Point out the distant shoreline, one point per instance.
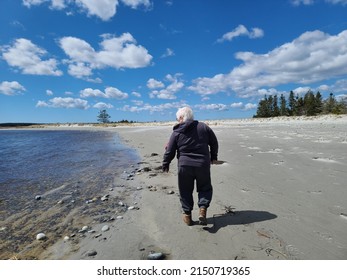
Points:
(321, 118)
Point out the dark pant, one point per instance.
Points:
(186, 178)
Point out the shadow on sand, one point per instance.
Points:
(219, 221)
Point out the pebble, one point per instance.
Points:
(131, 208)
(41, 236)
(120, 203)
(84, 229)
(104, 198)
(155, 256)
(38, 197)
(105, 228)
(66, 238)
(119, 217)
(171, 192)
(91, 253)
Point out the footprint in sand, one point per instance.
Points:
(326, 160)
(281, 162)
(343, 216)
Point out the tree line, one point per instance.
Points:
(308, 105)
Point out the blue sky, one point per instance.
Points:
(64, 60)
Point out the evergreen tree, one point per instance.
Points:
(330, 103)
(318, 103)
(275, 109)
(300, 106)
(292, 104)
(309, 104)
(270, 108)
(103, 116)
(283, 106)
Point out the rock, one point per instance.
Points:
(66, 238)
(98, 235)
(154, 154)
(105, 228)
(60, 202)
(146, 169)
(41, 236)
(111, 189)
(119, 217)
(38, 197)
(91, 253)
(155, 256)
(84, 229)
(132, 208)
(170, 192)
(120, 203)
(104, 198)
(139, 188)
(3, 229)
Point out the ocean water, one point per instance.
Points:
(38, 162)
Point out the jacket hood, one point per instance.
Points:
(186, 126)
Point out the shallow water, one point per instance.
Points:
(69, 166)
(35, 162)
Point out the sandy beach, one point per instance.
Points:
(279, 193)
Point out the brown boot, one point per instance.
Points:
(202, 216)
(187, 219)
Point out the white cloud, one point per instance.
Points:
(170, 91)
(136, 3)
(136, 94)
(104, 9)
(303, 2)
(110, 92)
(250, 106)
(343, 2)
(154, 84)
(49, 92)
(314, 56)
(29, 3)
(28, 57)
(64, 102)
(115, 52)
(213, 107)
(102, 105)
(236, 105)
(11, 88)
(241, 30)
(153, 108)
(168, 52)
(301, 91)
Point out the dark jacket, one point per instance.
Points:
(195, 143)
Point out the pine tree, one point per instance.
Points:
(103, 116)
(275, 109)
(318, 103)
(283, 106)
(292, 104)
(330, 103)
(309, 104)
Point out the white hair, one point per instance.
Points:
(186, 113)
